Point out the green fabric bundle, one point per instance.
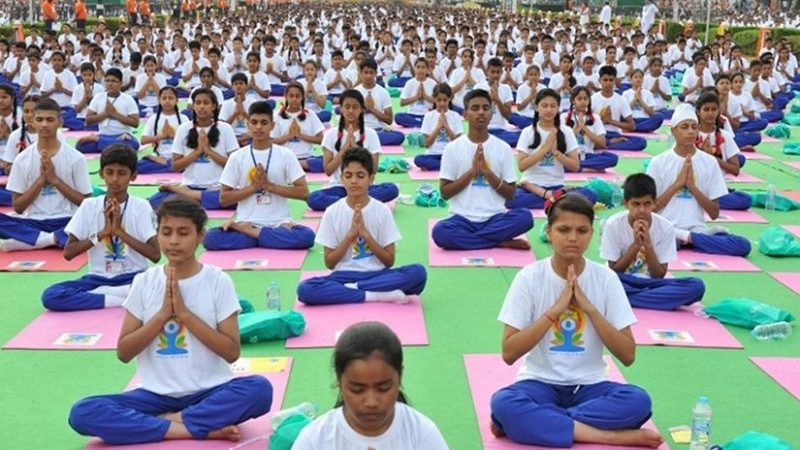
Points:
(263, 326)
(393, 165)
(429, 197)
(746, 313)
(775, 241)
(782, 203)
(779, 131)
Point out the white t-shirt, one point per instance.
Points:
(371, 143)
(619, 108)
(690, 80)
(176, 363)
(728, 147)
(310, 127)
(429, 123)
(409, 429)
(400, 61)
(618, 236)
(596, 127)
(68, 82)
(78, 93)
(746, 102)
(478, 201)
(457, 76)
(637, 111)
(165, 124)
(70, 166)
(124, 104)
(382, 101)
(571, 351)
(663, 85)
(321, 89)
(419, 107)
(524, 92)
(229, 107)
(277, 63)
(204, 171)
(282, 169)
(151, 96)
(112, 256)
(498, 122)
(330, 75)
(194, 81)
(734, 108)
(683, 210)
(261, 80)
(548, 171)
(336, 223)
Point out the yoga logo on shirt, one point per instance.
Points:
(240, 125)
(568, 331)
(48, 189)
(172, 339)
(442, 136)
(684, 193)
(203, 159)
(547, 160)
(638, 266)
(480, 178)
(360, 249)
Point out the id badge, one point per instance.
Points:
(114, 266)
(263, 199)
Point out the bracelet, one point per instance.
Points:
(499, 185)
(550, 318)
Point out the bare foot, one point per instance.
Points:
(88, 138)
(641, 437)
(519, 244)
(496, 431)
(173, 417)
(229, 433)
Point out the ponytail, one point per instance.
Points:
(155, 127)
(561, 142)
(537, 139)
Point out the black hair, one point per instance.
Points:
(260, 107)
(476, 93)
(239, 76)
(114, 72)
(303, 113)
(444, 88)
(494, 62)
(368, 63)
(180, 206)
(607, 70)
(47, 104)
(355, 95)
(213, 132)
(363, 340)
(206, 70)
(361, 156)
(158, 112)
(561, 143)
(571, 202)
(121, 154)
(639, 185)
(589, 116)
(8, 89)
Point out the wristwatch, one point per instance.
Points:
(93, 239)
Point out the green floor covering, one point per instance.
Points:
(460, 306)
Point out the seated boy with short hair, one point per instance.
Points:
(117, 115)
(181, 325)
(116, 230)
(48, 182)
(639, 244)
(260, 179)
(359, 234)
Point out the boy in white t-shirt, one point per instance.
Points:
(234, 110)
(477, 176)
(58, 83)
(689, 184)
(558, 316)
(358, 234)
(502, 100)
(181, 319)
(260, 179)
(615, 114)
(117, 232)
(48, 181)
(417, 96)
(116, 113)
(378, 105)
(82, 95)
(639, 244)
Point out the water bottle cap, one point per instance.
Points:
(702, 400)
(273, 283)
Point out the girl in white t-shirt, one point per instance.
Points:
(159, 131)
(713, 139)
(234, 110)
(440, 126)
(372, 410)
(180, 318)
(200, 150)
(544, 150)
(589, 132)
(526, 94)
(417, 95)
(316, 91)
(350, 133)
(358, 235)
(751, 121)
(148, 86)
(8, 114)
(298, 130)
(559, 314)
(642, 104)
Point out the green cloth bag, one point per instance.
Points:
(393, 165)
(775, 241)
(246, 306)
(795, 108)
(429, 197)
(779, 131)
(791, 148)
(394, 92)
(791, 119)
(782, 203)
(263, 326)
(753, 440)
(746, 313)
(603, 189)
(283, 438)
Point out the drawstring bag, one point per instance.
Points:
(246, 306)
(791, 119)
(746, 313)
(753, 440)
(283, 438)
(393, 165)
(603, 189)
(775, 241)
(429, 197)
(791, 148)
(795, 108)
(782, 203)
(261, 326)
(393, 92)
(779, 131)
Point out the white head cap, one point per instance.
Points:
(683, 112)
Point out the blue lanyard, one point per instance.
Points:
(255, 164)
(116, 242)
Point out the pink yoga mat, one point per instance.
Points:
(690, 260)
(257, 258)
(769, 139)
(742, 178)
(487, 373)
(220, 213)
(45, 260)
(496, 257)
(630, 154)
(6, 210)
(415, 173)
(155, 179)
(785, 371)
(255, 432)
(790, 280)
(681, 328)
(793, 164)
(317, 177)
(649, 136)
(3, 179)
(794, 229)
(311, 214)
(79, 330)
(608, 175)
(795, 195)
(326, 322)
(392, 149)
(78, 134)
(727, 215)
(756, 156)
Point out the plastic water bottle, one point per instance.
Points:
(701, 425)
(273, 297)
(616, 195)
(307, 409)
(772, 331)
(771, 197)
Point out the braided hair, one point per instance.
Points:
(158, 113)
(353, 95)
(719, 124)
(8, 89)
(31, 98)
(570, 121)
(213, 133)
(303, 112)
(561, 143)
